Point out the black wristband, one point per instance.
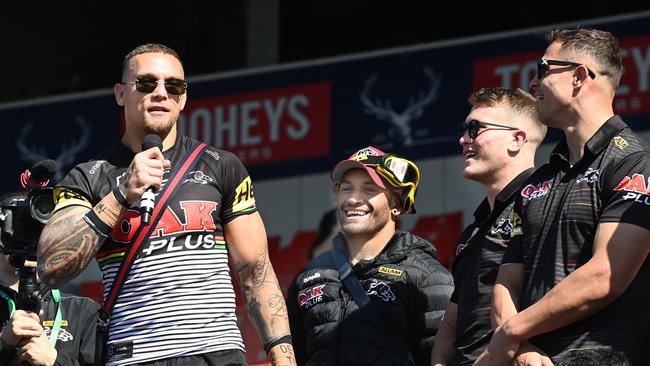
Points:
(97, 224)
(120, 197)
(275, 341)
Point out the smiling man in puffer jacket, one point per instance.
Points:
(406, 286)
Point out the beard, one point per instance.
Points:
(158, 127)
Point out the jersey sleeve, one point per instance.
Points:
(237, 188)
(73, 190)
(626, 192)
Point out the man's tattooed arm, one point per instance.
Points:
(68, 244)
(266, 306)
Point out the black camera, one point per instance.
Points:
(22, 218)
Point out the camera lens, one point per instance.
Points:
(42, 205)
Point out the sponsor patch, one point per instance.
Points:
(312, 277)
(636, 187)
(64, 197)
(311, 296)
(532, 191)
(516, 225)
(244, 197)
(381, 290)
(96, 166)
(50, 323)
(620, 142)
(214, 154)
(119, 351)
(363, 154)
(391, 271)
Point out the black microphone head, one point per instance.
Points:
(150, 141)
(43, 170)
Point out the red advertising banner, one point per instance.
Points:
(264, 126)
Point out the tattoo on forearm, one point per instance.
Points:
(66, 246)
(261, 269)
(255, 312)
(262, 293)
(284, 356)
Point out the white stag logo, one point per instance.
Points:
(401, 121)
(67, 156)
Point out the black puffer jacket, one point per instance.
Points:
(406, 283)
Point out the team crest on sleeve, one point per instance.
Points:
(635, 188)
(244, 197)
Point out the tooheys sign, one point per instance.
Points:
(264, 126)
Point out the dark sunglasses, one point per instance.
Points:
(472, 127)
(543, 65)
(145, 84)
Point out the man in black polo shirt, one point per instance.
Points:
(575, 277)
(499, 138)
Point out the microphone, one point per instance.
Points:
(39, 175)
(149, 195)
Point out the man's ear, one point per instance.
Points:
(580, 76)
(118, 89)
(519, 138)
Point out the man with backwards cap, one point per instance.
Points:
(406, 286)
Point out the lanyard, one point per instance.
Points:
(10, 303)
(56, 328)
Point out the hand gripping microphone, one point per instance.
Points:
(149, 195)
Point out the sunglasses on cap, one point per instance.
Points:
(145, 84)
(472, 127)
(399, 173)
(543, 66)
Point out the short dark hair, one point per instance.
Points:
(149, 48)
(598, 45)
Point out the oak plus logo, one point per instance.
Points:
(311, 296)
(532, 191)
(636, 188)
